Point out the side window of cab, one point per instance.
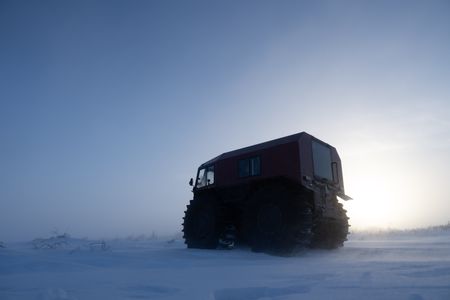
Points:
(249, 167)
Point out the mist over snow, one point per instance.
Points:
(405, 265)
(108, 107)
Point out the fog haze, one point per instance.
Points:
(108, 107)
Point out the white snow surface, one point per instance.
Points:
(394, 266)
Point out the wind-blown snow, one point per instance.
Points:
(409, 266)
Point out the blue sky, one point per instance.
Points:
(108, 107)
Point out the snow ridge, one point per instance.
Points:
(408, 265)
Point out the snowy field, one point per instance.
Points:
(413, 266)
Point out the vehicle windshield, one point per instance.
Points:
(205, 177)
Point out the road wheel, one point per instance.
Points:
(200, 225)
(278, 221)
(331, 233)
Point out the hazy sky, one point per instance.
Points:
(108, 107)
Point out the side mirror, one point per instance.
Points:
(191, 182)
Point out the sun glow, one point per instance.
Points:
(385, 196)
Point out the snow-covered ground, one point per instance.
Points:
(409, 266)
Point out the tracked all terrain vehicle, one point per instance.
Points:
(277, 197)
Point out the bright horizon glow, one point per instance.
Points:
(375, 192)
(395, 185)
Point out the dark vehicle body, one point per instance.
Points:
(278, 197)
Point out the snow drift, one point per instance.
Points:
(410, 266)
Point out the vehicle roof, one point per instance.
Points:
(260, 146)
